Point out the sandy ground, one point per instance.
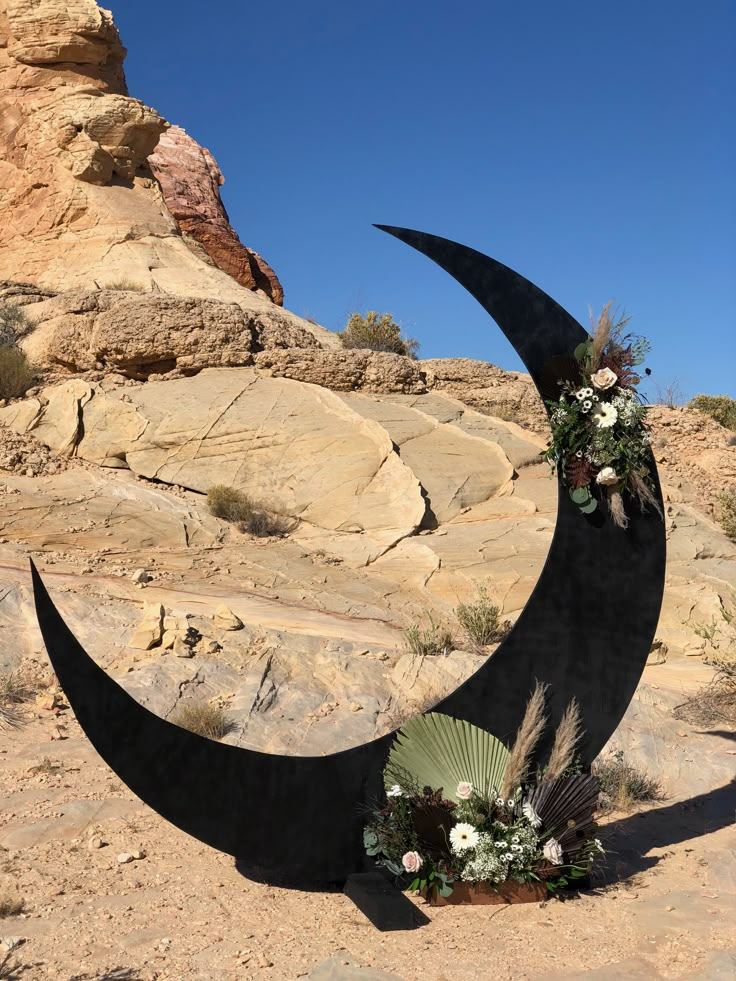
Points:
(664, 910)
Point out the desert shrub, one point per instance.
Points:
(16, 687)
(14, 323)
(715, 703)
(726, 511)
(377, 332)
(126, 285)
(624, 785)
(233, 505)
(480, 620)
(10, 906)
(16, 376)
(718, 407)
(203, 719)
(670, 395)
(427, 640)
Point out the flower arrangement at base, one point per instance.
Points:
(461, 807)
(600, 439)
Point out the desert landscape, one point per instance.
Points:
(152, 360)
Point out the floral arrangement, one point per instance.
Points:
(460, 807)
(600, 439)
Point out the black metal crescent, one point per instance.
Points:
(586, 631)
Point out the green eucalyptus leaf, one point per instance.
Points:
(446, 890)
(590, 507)
(582, 351)
(580, 495)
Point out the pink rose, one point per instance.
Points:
(604, 378)
(464, 791)
(412, 861)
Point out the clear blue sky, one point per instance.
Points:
(589, 146)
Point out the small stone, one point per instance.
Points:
(225, 619)
(48, 700)
(95, 842)
(140, 576)
(124, 858)
(181, 649)
(138, 854)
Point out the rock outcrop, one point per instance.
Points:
(344, 371)
(190, 182)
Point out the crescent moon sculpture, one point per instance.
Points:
(586, 631)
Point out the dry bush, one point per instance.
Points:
(203, 719)
(16, 376)
(126, 285)
(377, 332)
(233, 505)
(16, 688)
(726, 511)
(670, 395)
(718, 407)
(14, 323)
(10, 906)
(715, 703)
(481, 620)
(428, 640)
(624, 785)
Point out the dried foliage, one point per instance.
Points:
(203, 719)
(427, 640)
(14, 324)
(16, 688)
(481, 620)
(377, 332)
(235, 506)
(726, 511)
(624, 785)
(527, 737)
(568, 736)
(10, 906)
(16, 376)
(125, 285)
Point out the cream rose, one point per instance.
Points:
(604, 378)
(553, 851)
(464, 790)
(607, 476)
(412, 861)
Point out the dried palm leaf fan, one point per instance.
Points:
(439, 751)
(566, 807)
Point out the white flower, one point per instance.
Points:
(553, 852)
(509, 856)
(463, 836)
(395, 791)
(515, 840)
(604, 378)
(531, 815)
(464, 790)
(516, 848)
(587, 405)
(580, 394)
(500, 802)
(587, 392)
(604, 415)
(607, 476)
(509, 804)
(412, 861)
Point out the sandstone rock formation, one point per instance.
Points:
(344, 371)
(190, 182)
(80, 204)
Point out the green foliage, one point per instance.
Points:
(441, 752)
(233, 505)
(425, 641)
(727, 512)
(16, 376)
(377, 332)
(481, 619)
(718, 407)
(624, 785)
(14, 323)
(203, 719)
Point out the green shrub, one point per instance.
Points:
(377, 332)
(203, 719)
(726, 512)
(718, 407)
(233, 505)
(16, 376)
(480, 620)
(624, 785)
(434, 639)
(14, 323)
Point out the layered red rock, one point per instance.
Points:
(190, 182)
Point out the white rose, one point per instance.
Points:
(464, 791)
(604, 378)
(553, 852)
(412, 861)
(607, 476)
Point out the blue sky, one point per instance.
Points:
(586, 145)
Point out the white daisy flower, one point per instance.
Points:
(531, 815)
(587, 392)
(580, 394)
(509, 804)
(605, 415)
(509, 856)
(462, 837)
(500, 802)
(587, 405)
(515, 840)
